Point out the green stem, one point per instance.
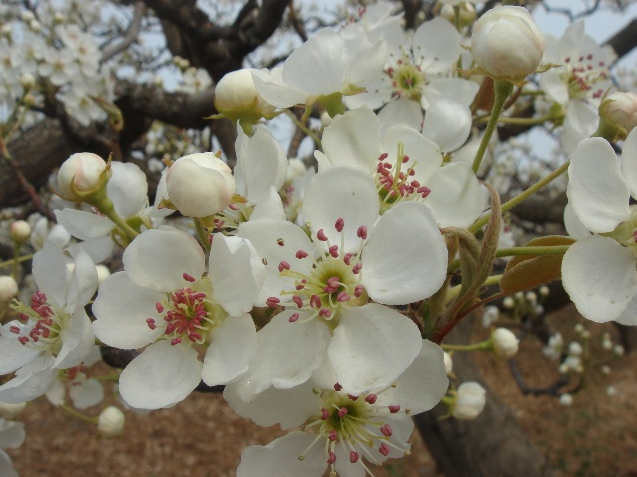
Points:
(304, 128)
(23, 258)
(202, 234)
(453, 292)
(79, 415)
(521, 121)
(478, 224)
(486, 345)
(502, 90)
(117, 220)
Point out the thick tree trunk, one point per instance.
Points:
(493, 445)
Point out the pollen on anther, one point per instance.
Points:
(272, 302)
(342, 412)
(332, 434)
(321, 235)
(337, 387)
(325, 414)
(371, 398)
(159, 307)
(151, 323)
(284, 266)
(384, 449)
(293, 317)
(340, 223)
(188, 278)
(394, 408)
(386, 430)
(353, 457)
(301, 254)
(332, 458)
(362, 232)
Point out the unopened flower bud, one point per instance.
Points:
(237, 98)
(200, 185)
(618, 114)
(544, 291)
(531, 297)
(605, 369)
(575, 349)
(80, 173)
(8, 288)
(505, 343)
(566, 399)
(507, 44)
(611, 391)
(490, 316)
(618, 350)
(10, 411)
(27, 80)
(508, 303)
(470, 401)
(110, 422)
(20, 231)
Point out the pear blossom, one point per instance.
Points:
(54, 332)
(326, 64)
(20, 231)
(110, 422)
(506, 43)
(80, 172)
(340, 430)
(325, 281)
(577, 82)
(599, 271)
(165, 300)
(237, 98)
(620, 110)
(405, 166)
(8, 288)
(11, 437)
(418, 71)
(505, 343)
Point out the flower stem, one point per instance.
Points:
(502, 90)
(540, 250)
(508, 205)
(304, 128)
(79, 415)
(23, 258)
(486, 345)
(202, 234)
(522, 121)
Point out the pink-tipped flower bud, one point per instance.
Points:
(470, 401)
(620, 110)
(20, 231)
(80, 173)
(8, 288)
(507, 44)
(200, 185)
(505, 343)
(110, 422)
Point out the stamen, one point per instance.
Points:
(188, 278)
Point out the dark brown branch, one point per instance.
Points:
(130, 36)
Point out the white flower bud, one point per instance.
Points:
(508, 303)
(605, 370)
(326, 119)
(620, 110)
(467, 13)
(10, 411)
(490, 316)
(611, 391)
(27, 16)
(578, 328)
(200, 185)
(505, 343)
(607, 343)
(27, 80)
(448, 363)
(35, 26)
(8, 288)
(575, 349)
(618, 350)
(236, 96)
(566, 399)
(110, 422)
(83, 171)
(470, 401)
(544, 291)
(506, 43)
(531, 297)
(20, 231)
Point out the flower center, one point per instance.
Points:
(394, 181)
(582, 74)
(189, 315)
(333, 280)
(229, 219)
(357, 424)
(406, 79)
(46, 321)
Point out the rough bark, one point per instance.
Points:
(493, 445)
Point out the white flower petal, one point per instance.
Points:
(286, 407)
(84, 225)
(447, 123)
(402, 111)
(127, 188)
(86, 393)
(405, 258)
(232, 347)
(574, 227)
(353, 139)
(629, 315)
(422, 385)
(599, 275)
(77, 341)
(629, 162)
(422, 152)
(597, 191)
(456, 197)
(161, 376)
(280, 458)
(50, 272)
(438, 43)
(287, 353)
(122, 308)
(371, 346)
(272, 88)
(341, 192)
(158, 258)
